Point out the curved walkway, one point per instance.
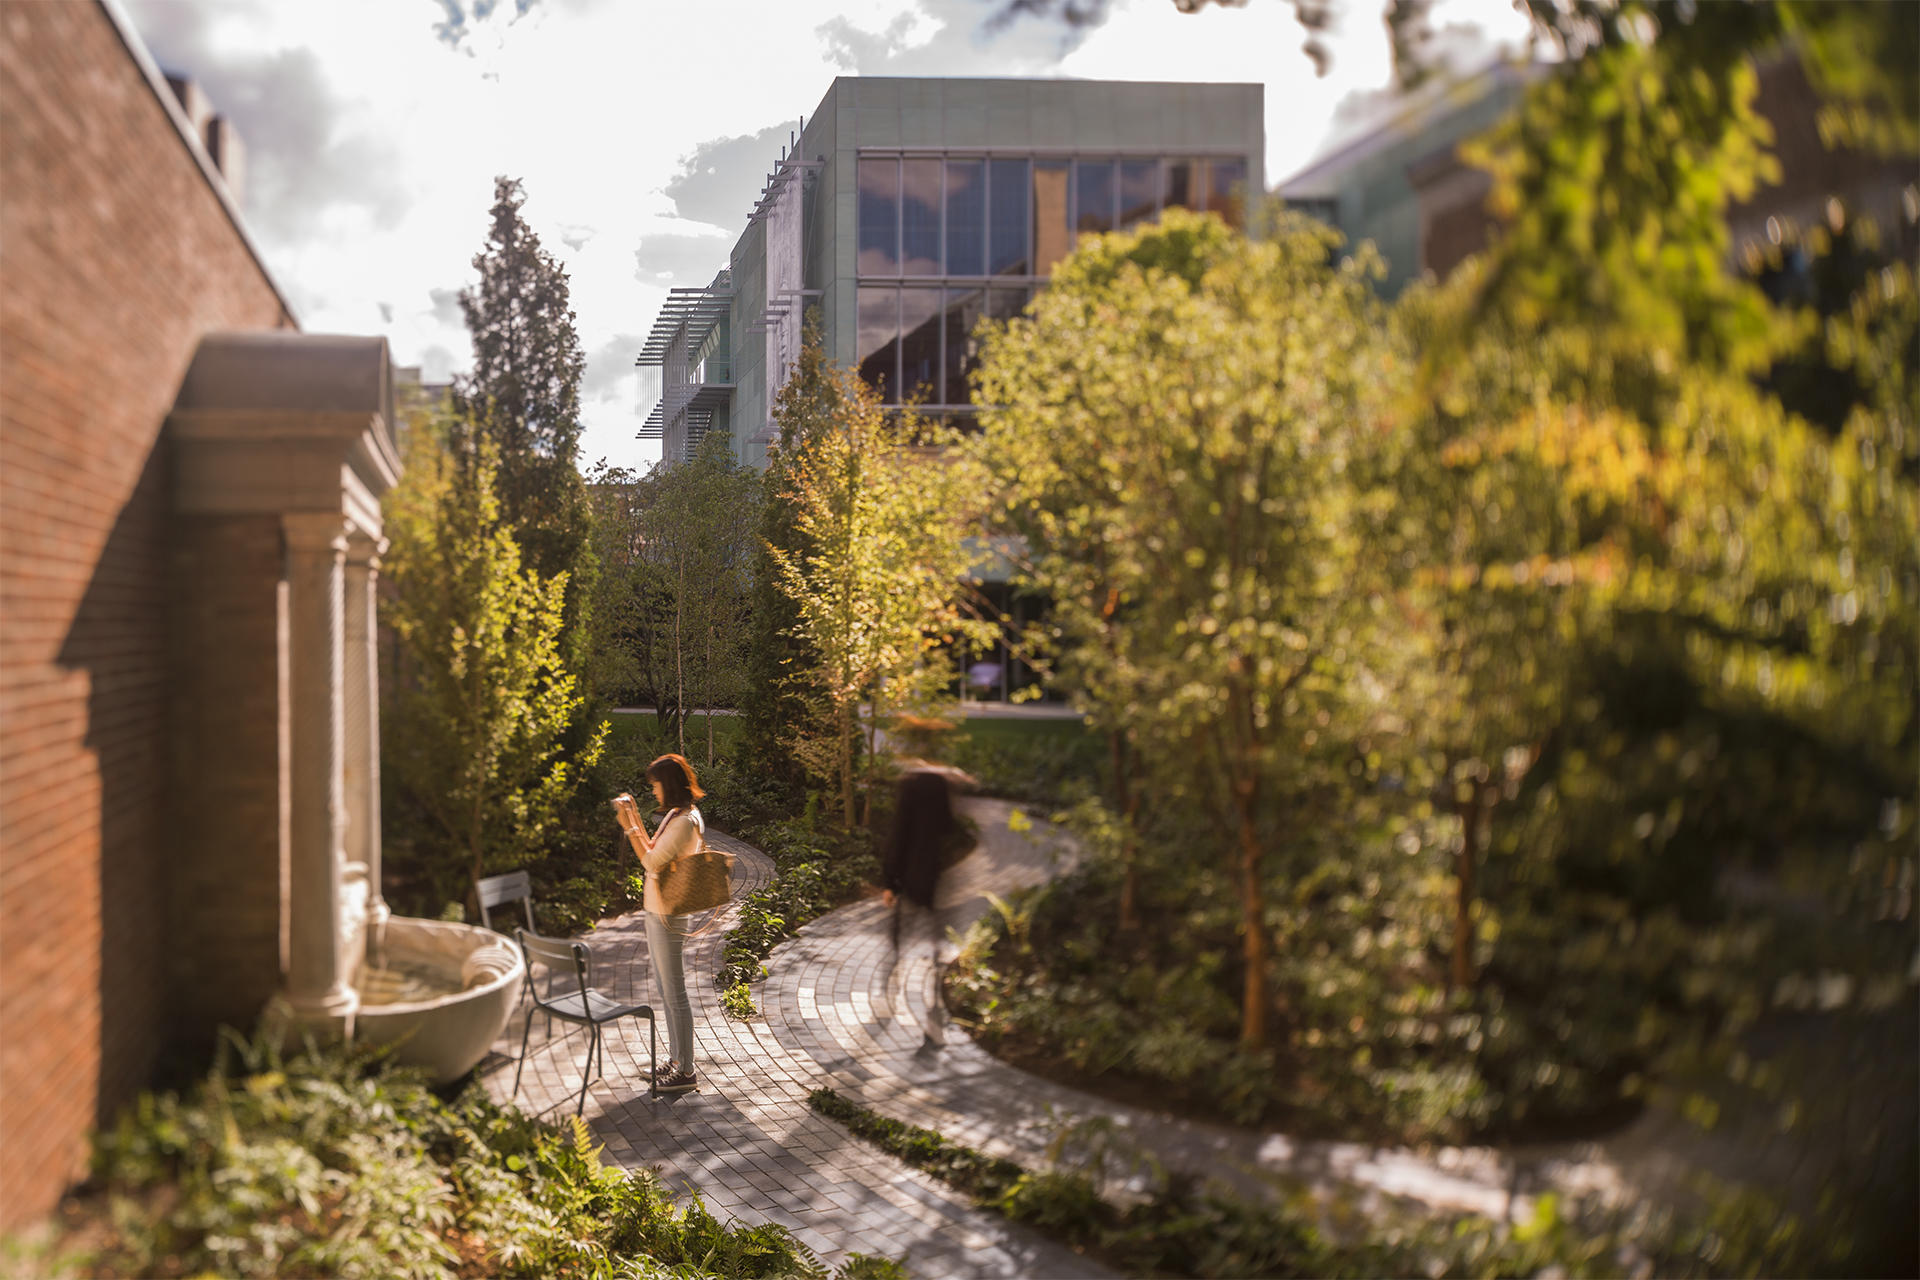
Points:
(839, 1010)
(746, 1139)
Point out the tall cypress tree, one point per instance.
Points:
(524, 392)
(775, 709)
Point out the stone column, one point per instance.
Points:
(318, 985)
(361, 690)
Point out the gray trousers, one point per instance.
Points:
(666, 942)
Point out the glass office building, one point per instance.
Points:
(906, 210)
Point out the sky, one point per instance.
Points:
(643, 129)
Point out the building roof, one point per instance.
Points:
(190, 137)
(1321, 177)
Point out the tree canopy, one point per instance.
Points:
(524, 392)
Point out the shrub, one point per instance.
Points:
(815, 870)
(1182, 1227)
(336, 1163)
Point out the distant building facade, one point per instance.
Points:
(1403, 186)
(908, 209)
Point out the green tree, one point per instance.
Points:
(615, 670)
(1585, 438)
(475, 727)
(776, 707)
(697, 522)
(524, 394)
(1177, 429)
(880, 512)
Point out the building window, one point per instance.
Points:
(1008, 224)
(1093, 196)
(934, 233)
(964, 309)
(1052, 236)
(1227, 191)
(878, 348)
(879, 211)
(1182, 188)
(1139, 191)
(920, 345)
(920, 217)
(966, 217)
(1327, 211)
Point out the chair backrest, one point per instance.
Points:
(495, 890)
(556, 955)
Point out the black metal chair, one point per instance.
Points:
(582, 1005)
(496, 891)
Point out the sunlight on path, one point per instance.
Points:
(841, 1010)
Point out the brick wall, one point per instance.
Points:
(115, 257)
(224, 883)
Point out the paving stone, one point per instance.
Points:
(841, 1008)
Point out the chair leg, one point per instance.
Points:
(525, 1034)
(653, 1056)
(586, 1068)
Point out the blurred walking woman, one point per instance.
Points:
(926, 838)
(678, 835)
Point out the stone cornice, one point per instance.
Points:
(271, 424)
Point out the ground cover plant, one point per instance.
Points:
(816, 869)
(329, 1163)
(1179, 1226)
(1522, 725)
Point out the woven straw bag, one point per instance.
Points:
(697, 882)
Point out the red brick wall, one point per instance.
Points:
(225, 877)
(115, 257)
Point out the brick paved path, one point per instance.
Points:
(839, 1010)
(746, 1139)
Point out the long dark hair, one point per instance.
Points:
(678, 786)
(923, 828)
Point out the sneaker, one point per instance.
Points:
(662, 1071)
(674, 1081)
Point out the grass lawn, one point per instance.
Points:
(1010, 732)
(1039, 761)
(630, 726)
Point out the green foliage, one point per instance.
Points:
(777, 708)
(1185, 1227)
(1185, 378)
(523, 395)
(475, 756)
(815, 870)
(334, 1164)
(676, 546)
(1042, 761)
(879, 547)
(737, 1001)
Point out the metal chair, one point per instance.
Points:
(498, 890)
(582, 1005)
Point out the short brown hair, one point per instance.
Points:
(677, 783)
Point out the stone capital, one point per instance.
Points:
(316, 531)
(365, 549)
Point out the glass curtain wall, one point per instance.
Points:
(934, 234)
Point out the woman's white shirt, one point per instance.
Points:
(679, 835)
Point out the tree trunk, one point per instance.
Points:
(709, 691)
(846, 767)
(1462, 976)
(1129, 851)
(1253, 1009)
(872, 743)
(473, 850)
(679, 665)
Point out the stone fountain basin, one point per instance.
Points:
(479, 973)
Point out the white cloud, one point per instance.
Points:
(374, 130)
